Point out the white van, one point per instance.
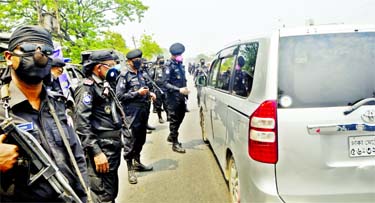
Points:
(291, 117)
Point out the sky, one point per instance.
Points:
(206, 26)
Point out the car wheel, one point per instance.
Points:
(234, 181)
(201, 115)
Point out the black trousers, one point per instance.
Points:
(160, 101)
(104, 186)
(176, 111)
(134, 143)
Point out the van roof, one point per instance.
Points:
(325, 29)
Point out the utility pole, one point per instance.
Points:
(39, 10)
(133, 39)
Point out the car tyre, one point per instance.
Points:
(233, 181)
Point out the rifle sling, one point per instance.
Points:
(67, 146)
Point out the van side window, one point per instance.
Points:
(244, 69)
(225, 73)
(213, 73)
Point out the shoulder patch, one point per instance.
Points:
(88, 82)
(87, 98)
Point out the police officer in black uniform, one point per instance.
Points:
(134, 93)
(175, 84)
(157, 75)
(56, 70)
(98, 124)
(240, 82)
(146, 73)
(31, 106)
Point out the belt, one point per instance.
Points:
(110, 134)
(138, 104)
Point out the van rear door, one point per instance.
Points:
(326, 155)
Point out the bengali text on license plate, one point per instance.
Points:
(360, 146)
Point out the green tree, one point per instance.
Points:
(149, 47)
(80, 23)
(109, 40)
(77, 19)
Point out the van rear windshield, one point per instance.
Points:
(326, 70)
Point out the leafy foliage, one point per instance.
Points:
(82, 23)
(109, 40)
(149, 47)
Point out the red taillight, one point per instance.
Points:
(263, 133)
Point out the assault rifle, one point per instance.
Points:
(153, 82)
(110, 91)
(41, 160)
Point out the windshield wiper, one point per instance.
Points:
(359, 104)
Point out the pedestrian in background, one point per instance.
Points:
(200, 78)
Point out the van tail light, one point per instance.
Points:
(263, 133)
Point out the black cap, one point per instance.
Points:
(102, 55)
(177, 49)
(29, 33)
(136, 53)
(56, 62)
(95, 58)
(241, 61)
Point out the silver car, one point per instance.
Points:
(291, 117)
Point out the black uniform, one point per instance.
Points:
(240, 83)
(157, 74)
(136, 108)
(43, 127)
(173, 81)
(98, 124)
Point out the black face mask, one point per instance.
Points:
(33, 69)
(161, 62)
(137, 63)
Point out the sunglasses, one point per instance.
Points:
(30, 48)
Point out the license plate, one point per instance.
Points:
(360, 146)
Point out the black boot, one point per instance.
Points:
(132, 178)
(177, 147)
(160, 118)
(138, 166)
(170, 139)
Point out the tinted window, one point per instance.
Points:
(225, 73)
(327, 70)
(214, 73)
(244, 69)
